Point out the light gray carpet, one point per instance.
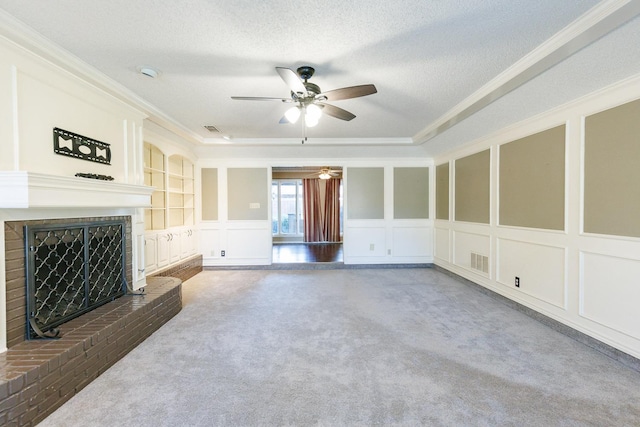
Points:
(354, 347)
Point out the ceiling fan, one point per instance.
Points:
(327, 173)
(309, 99)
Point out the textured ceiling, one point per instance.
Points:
(425, 57)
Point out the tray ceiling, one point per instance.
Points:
(434, 63)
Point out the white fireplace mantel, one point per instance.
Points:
(23, 190)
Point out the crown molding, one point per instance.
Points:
(30, 41)
(600, 20)
(310, 141)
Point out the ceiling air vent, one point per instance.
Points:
(211, 128)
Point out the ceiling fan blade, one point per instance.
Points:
(260, 98)
(292, 80)
(336, 112)
(347, 92)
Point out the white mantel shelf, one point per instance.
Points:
(24, 190)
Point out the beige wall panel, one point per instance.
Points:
(365, 193)
(247, 193)
(472, 188)
(411, 193)
(442, 191)
(612, 175)
(532, 171)
(209, 194)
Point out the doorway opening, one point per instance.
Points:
(306, 214)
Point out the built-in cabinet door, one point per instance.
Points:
(174, 247)
(185, 242)
(188, 241)
(163, 249)
(167, 247)
(193, 241)
(151, 253)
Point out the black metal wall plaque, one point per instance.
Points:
(71, 144)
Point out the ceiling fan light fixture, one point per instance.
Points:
(310, 121)
(324, 175)
(309, 99)
(292, 114)
(312, 115)
(313, 111)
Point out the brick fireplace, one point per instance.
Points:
(37, 376)
(17, 328)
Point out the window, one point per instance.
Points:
(286, 205)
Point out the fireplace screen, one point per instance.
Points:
(71, 269)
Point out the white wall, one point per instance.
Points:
(250, 242)
(388, 240)
(35, 97)
(243, 242)
(586, 281)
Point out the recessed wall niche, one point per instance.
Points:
(611, 172)
(472, 179)
(532, 171)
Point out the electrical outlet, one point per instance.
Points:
(517, 282)
(222, 253)
(388, 251)
(372, 247)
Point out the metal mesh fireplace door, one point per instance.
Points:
(70, 270)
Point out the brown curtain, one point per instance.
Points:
(331, 226)
(312, 212)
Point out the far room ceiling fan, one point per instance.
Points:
(309, 99)
(327, 173)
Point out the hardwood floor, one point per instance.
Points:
(307, 252)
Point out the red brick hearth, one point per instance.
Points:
(38, 376)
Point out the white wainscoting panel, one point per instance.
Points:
(412, 242)
(210, 243)
(540, 268)
(466, 243)
(442, 244)
(364, 242)
(249, 245)
(610, 292)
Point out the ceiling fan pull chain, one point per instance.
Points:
(304, 131)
